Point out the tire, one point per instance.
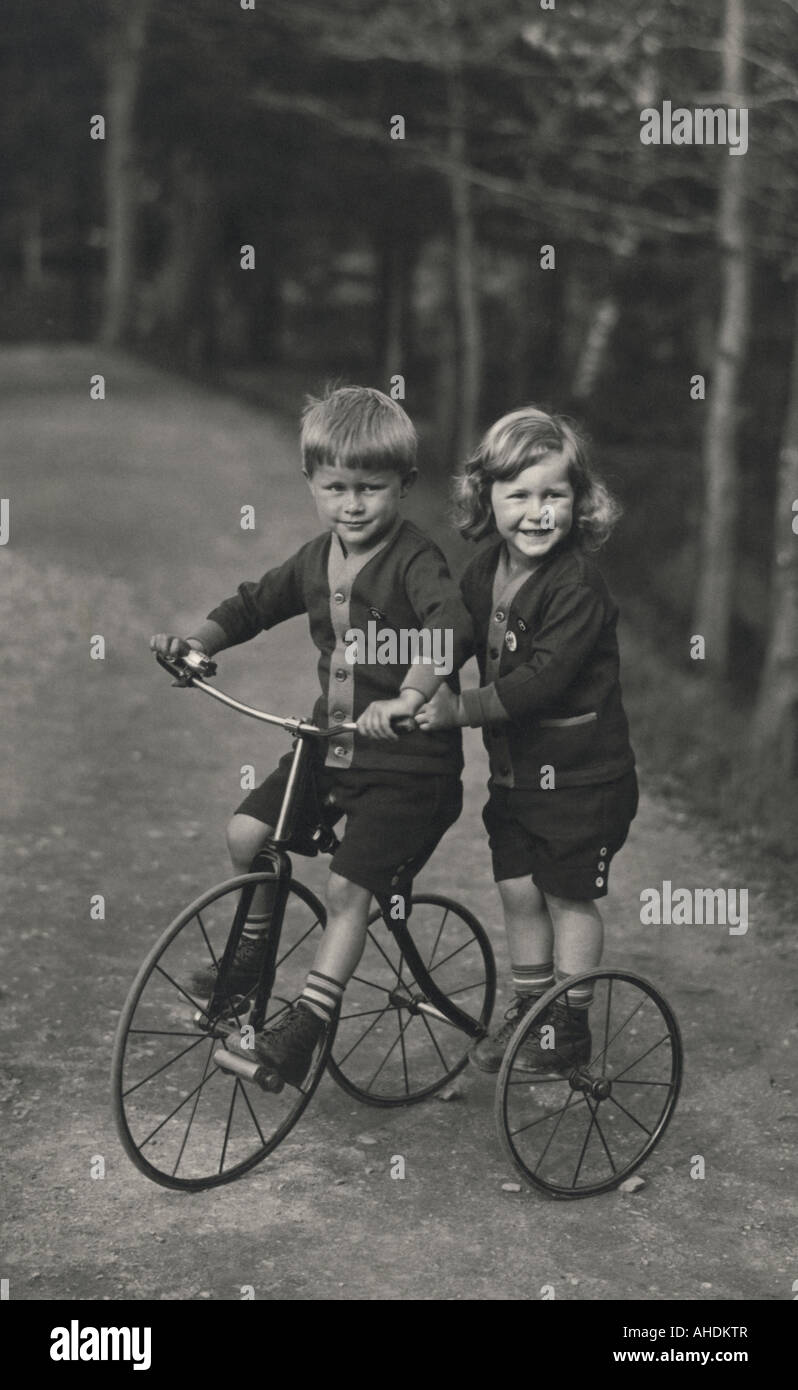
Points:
(581, 1129)
(184, 1121)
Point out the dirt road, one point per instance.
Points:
(125, 520)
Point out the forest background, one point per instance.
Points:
(450, 199)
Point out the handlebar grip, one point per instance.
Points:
(171, 666)
(404, 724)
(185, 668)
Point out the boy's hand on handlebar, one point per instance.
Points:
(376, 719)
(173, 647)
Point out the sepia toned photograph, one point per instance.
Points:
(399, 562)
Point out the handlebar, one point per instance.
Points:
(191, 668)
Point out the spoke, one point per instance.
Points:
(297, 944)
(243, 1090)
(549, 1116)
(478, 984)
(554, 1131)
(165, 1033)
(402, 1030)
(444, 1062)
(382, 952)
(381, 989)
(437, 939)
(283, 1005)
(207, 940)
(183, 1102)
(607, 1015)
(184, 992)
(203, 1037)
(363, 1013)
(452, 954)
(584, 1146)
(191, 1116)
(618, 1080)
(531, 1080)
(642, 1058)
(595, 1060)
(364, 1034)
(594, 1113)
(630, 1116)
(229, 1124)
(404, 1061)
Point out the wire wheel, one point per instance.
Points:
(392, 1047)
(185, 1121)
(577, 1119)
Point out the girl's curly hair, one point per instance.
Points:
(511, 445)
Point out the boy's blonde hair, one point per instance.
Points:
(357, 427)
(511, 445)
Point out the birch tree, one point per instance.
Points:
(717, 535)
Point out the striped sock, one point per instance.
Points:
(256, 927)
(322, 995)
(533, 980)
(579, 996)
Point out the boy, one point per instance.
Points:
(399, 794)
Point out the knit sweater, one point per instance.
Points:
(550, 695)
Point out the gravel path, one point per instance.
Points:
(125, 520)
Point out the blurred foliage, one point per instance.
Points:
(271, 127)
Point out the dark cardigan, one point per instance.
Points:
(558, 662)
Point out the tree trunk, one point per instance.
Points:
(717, 562)
(395, 254)
(468, 346)
(183, 319)
(775, 732)
(605, 315)
(32, 271)
(126, 44)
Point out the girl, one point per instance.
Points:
(562, 788)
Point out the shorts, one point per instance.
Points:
(394, 821)
(565, 839)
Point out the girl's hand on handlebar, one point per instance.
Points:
(441, 712)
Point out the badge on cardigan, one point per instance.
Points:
(510, 641)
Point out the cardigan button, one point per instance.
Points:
(493, 653)
(499, 615)
(599, 882)
(339, 751)
(339, 714)
(340, 675)
(339, 598)
(603, 851)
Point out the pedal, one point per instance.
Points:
(249, 1070)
